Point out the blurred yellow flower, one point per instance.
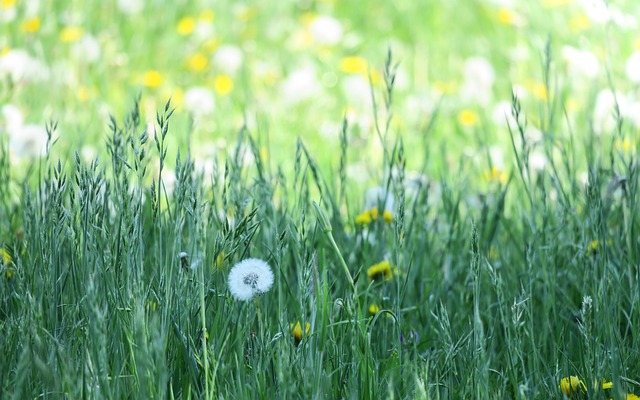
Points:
(197, 62)
(467, 118)
(296, 331)
(495, 174)
(211, 45)
(4, 4)
(223, 84)
(83, 93)
(354, 65)
(5, 256)
(606, 384)
(632, 396)
(5, 51)
(572, 385)
(539, 91)
(373, 309)
(70, 34)
(592, 248)
(152, 78)
(10, 273)
(186, 26)
(579, 23)
(444, 87)
(506, 16)
(365, 217)
(624, 145)
(380, 271)
(30, 25)
(206, 16)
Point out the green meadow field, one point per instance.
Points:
(320, 199)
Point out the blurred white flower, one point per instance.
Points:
(228, 59)
(537, 161)
(502, 115)
(600, 12)
(603, 112)
(86, 49)
(24, 140)
(479, 77)
(130, 7)
(357, 90)
(19, 66)
(199, 101)
(326, 30)
(300, 85)
(249, 278)
(378, 196)
(582, 63)
(632, 67)
(7, 14)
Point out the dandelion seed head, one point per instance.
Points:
(249, 278)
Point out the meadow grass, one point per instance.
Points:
(115, 287)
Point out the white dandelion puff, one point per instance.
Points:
(249, 278)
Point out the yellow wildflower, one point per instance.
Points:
(592, 248)
(467, 118)
(365, 217)
(186, 26)
(5, 256)
(374, 309)
(495, 174)
(207, 16)
(579, 23)
(70, 34)
(624, 145)
(632, 396)
(540, 91)
(223, 84)
(354, 65)
(152, 78)
(4, 4)
(606, 384)
(10, 273)
(444, 87)
(197, 62)
(30, 25)
(380, 271)
(572, 385)
(506, 16)
(296, 331)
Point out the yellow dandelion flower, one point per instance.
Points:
(186, 26)
(606, 384)
(296, 331)
(354, 65)
(5, 4)
(624, 145)
(5, 51)
(206, 16)
(579, 23)
(5, 256)
(444, 87)
(30, 25)
(495, 174)
(380, 271)
(83, 93)
(364, 218)
(632, 396)
(152, 78)
(70, 34)
(373, 309)
(539, 91)
(387, 216)
(506, 16)
(592, 248)
(572, 385)
(467, 118)
(197, 62)
(223, 85)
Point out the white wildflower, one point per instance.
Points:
(199, 101)
(18, 66)
(582, 63)
(130, 7)
(632, 67)
(249, 278)
(228, 59)
(326, 30)
(479, 77)
(87, 49)
(300, 85)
